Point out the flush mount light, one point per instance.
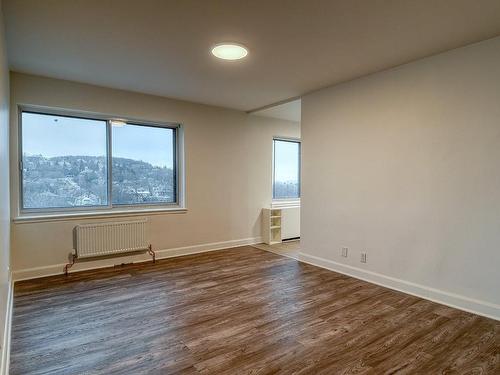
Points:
(229, 51)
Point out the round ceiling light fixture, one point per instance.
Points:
(229, 51)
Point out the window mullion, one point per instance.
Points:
(110, 163)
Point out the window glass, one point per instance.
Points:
(64, 161)
(143, 164)
(286, 182)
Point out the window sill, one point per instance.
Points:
(32, 218)
(285, 203)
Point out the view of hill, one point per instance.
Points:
(72, 181)
(286, 189)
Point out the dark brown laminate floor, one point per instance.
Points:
(238, 311)
(289, 249)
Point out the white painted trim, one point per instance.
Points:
(487, 309)
(285, 203)
(5, 354)
(180, 251)
(57, 269)
(97, 214)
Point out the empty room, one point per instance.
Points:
(249, 187)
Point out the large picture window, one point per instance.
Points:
(70, 162)
(286, 165)
(143, 164)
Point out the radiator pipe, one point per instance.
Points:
(72, 258)
(152, 253)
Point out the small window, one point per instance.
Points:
(286, 173)
(70, 163)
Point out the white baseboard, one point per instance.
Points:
(187, 250)
(487, 309)
(57, 269)
(5, 354)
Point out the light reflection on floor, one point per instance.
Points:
(288, 248)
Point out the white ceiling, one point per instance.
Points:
(162, 47)
(290, 111)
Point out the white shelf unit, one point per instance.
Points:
(271, 225)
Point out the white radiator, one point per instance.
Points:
(94, 240)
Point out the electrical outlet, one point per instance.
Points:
(344, 252)
(363, 257)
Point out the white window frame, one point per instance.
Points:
(110, 208)
(287, 202)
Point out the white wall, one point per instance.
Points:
(405, 165)
(228, 157)
(4, 187)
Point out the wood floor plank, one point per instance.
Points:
(244, 311)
